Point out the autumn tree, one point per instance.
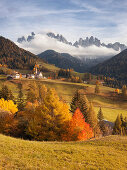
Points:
(80, 101)
(97, 89)
(123, 125)
(8, 105)
(8, 123)
(117, 126)
(42, 92)
(92, 120)
(46, 121)
(77, 128)
(32, 94)
(124, 91)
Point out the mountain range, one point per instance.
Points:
(18, 58)
(115, 67)
(65, 61)
(87, 42)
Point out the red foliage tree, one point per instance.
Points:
(77, 128)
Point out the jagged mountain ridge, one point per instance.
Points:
(87, 42)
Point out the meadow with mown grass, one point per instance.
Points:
(105, 153)
(109, 152)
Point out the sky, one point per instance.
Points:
(106, 20)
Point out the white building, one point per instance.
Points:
(39, 75)
(17, 76)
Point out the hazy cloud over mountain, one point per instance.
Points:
(42, 42)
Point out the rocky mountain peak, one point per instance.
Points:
(88, 41)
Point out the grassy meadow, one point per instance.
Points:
(110, 107)
(105, 153)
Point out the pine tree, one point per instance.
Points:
(124, 91)
(32, 94)
(6, 94)
(20, 100)
(102, 125)
(100, 115)
(97, 89)
(117, 126)
(80, 101)
(92, 119)
(42, 92)
(123, 125)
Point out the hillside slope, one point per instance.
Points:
(105, 153)
(15, 57)
(63, 60)
(114, 67)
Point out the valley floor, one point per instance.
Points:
(105, 153)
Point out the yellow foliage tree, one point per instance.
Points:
(54, 106)
(46, 121)
(8, 105)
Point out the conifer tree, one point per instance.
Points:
(32, 94)
(124, 91)
(117, 126)
(97, 89)
(100, 115)
(92, 119)
(42, 92)
(123, 125)
(80, 101)
(6, 94)
(20, 100)
(121, 117)
(102, 125)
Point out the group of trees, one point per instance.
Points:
(66, 73)
(112, 82)
(42, 115)
(124, 92)
(120, 126)
(97, 123)
(75, 79)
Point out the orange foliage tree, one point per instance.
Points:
(77, 128)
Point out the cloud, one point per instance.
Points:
(42, 42)
(87, 6)
(72, 18)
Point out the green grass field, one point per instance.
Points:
(105, 153)
(110, 114)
